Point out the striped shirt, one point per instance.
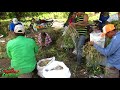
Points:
(81, 30)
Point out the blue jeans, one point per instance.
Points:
(80, 41)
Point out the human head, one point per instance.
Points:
(19, 30)
(106, 13)
(80, 13)
(109, 30)
(15, 20)
(74, 14)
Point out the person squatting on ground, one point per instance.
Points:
(13, 24)
(21, 51)
(111, 52)
(44, 39)
(80, 27)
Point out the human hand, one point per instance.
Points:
(73, 24)
(91, 43)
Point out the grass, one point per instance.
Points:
(64, 55)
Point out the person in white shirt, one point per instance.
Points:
(114, 17)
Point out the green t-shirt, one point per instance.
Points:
(21, 51)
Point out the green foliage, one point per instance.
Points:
(93, 59)
(4, 28)
(95, 70)
(67, 42)
(117, 24)
(41, 15)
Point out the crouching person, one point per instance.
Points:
(112, 51)
(44, 39)
(21, 51)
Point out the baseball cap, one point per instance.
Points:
(107, 28)
(19, 29)
(15, 20)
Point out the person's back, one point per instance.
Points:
(69, 16)
(44, 39)
(103, 18)
(72, 19)
(115, 58)
(13, 24)
(111, 52)
(21, 51)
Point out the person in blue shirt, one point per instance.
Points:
(111, 52)
(13, 24)
(102, 19)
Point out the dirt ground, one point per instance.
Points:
(4, 63)
(76, 71)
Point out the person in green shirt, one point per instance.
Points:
(21, 51)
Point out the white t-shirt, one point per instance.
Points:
(113, 18)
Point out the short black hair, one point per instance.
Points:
(43, 33)
(20, 34)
